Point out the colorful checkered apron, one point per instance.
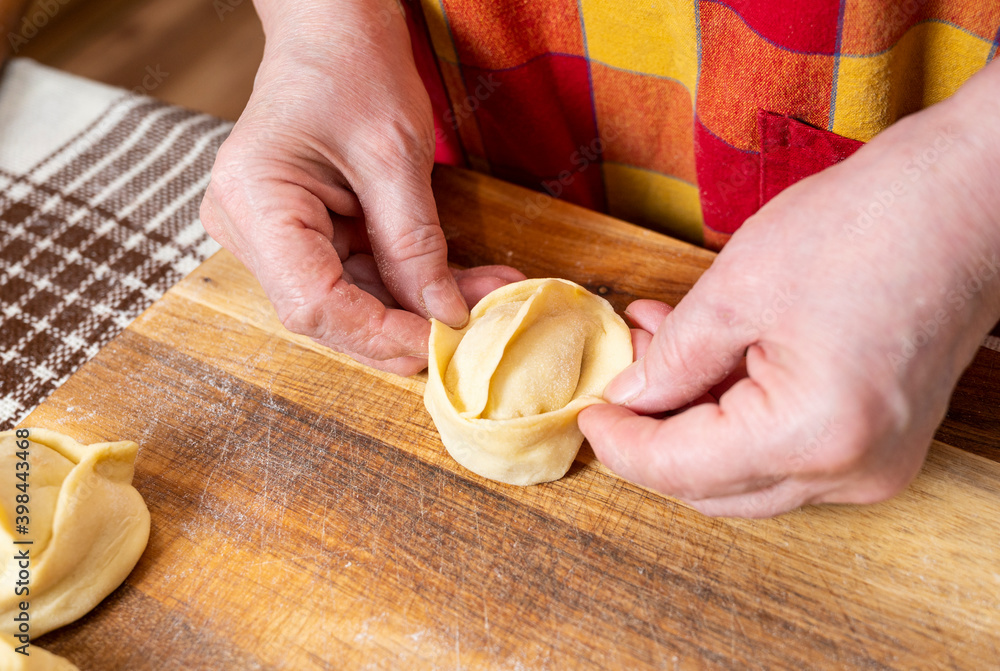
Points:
(684, 116)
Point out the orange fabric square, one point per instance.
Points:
(497, 35)
(645, 121)
(870, 26)
(742, 72)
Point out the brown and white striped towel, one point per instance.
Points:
(99, 198)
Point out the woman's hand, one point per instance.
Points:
(857, 296)
(323, 188)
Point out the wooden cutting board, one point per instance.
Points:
(305, 514)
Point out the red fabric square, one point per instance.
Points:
(735, 184)
(538, 119)
(800, 26)
(792, 150)
(728, 181)
(448, 149)
(459, 112)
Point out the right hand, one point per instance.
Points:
(323, 188)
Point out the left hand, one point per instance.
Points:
(832, 341)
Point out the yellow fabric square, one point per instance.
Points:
(926, 66)
(437, 26)
(656, 201)
(657, 38)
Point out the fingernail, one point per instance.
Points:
(443, 301)
(630, 383)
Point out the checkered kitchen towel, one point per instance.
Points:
(99, 198)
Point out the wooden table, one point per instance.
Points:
(305, 514)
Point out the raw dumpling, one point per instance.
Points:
(86, 527)
(37, 659)
(504, 391)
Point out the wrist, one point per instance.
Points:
(946, 219)
(972, 110)
(329, 23)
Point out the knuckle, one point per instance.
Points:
(683, 353)
(833, 432)
(845, 456)
(222, 215)
(208, 212)
(669, 354)
(397, 139)
(848, 449)
(207, 217)
(664, 353)
(420, 241)
(299, 316)
(355, 335)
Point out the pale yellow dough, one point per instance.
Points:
(37, 659)
(87, 524)
(504, 391)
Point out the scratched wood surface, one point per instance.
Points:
(305, 514)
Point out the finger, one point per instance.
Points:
(647, 314)
(348, 236)
(640, 343)
(738, 373)
(703, 452)
(405, 366)
(776, 499)
(505, 273)
(361, 271)
(704, 398)
(218, 224)
(694, 347)
(410, 248)
(302, 275)
(476, 283)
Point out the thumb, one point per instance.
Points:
(410, 248)
(693, 348)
